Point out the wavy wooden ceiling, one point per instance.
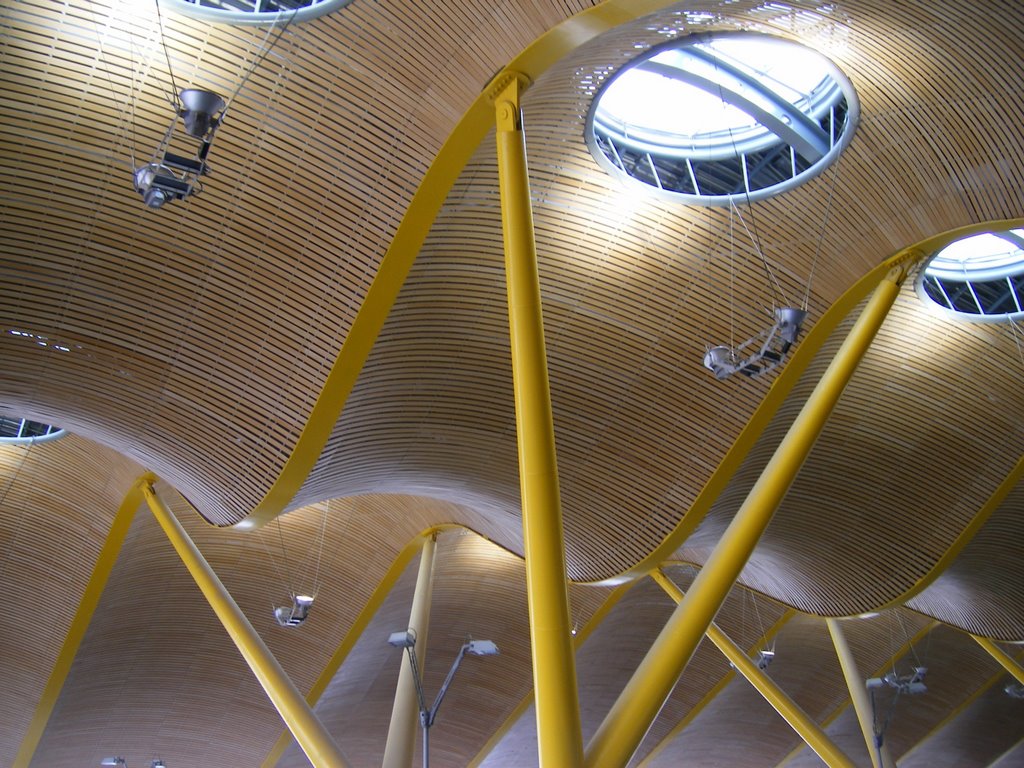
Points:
(193, 342)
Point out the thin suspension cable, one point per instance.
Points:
(755, 240)
(320, 549)
(261, 55)
(167, 56)
(284, 555)
(821, 237)
(732, 276)
(110, 83)
(273, 561)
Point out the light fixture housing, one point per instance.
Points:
(403, 639)
(295, 614)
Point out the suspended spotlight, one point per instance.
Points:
(764, 658)
(200, 111)
(1014, 690)
(158, 764)
(113, 761)
(169, 176)
(760, 353)
(912, 683)
(295, 614)
(403, 639)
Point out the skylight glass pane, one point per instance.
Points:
(708, 108)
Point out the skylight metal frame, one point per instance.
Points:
(790, 143)
(984, 295)
(252, 11)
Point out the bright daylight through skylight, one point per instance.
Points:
(709, 119)
(979, 277)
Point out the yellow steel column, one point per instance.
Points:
(560, 743)
(1002, 657)
(639, 703)
(800, 721)
(405, 714)
(880, 755)
(309, 732)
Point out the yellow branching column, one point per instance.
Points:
(644, 695)
(800, 721)
(880, 755)
(554, 668)
(307, 729)
(405, 714)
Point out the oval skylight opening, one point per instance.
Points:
(980, 277)
(713, 119)
(18, 430)
(256, 11)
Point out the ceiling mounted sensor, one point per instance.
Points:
(712, 119)
(254, 11)
(979, 278)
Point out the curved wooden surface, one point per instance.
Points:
(195, 341)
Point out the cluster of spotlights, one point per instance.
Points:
(912, 683)
(119, 762)
(761, 353)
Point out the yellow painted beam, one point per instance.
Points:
(881, 757)
(1002, 657)
(790, 711)
(638, 705)
(888, 665)
(524, 704)
(80, 622)
(383, 589)
(797, 363)
(419, 217)
(710, 696)
(1012, 479)
(309, 732)
(559, 739)
(952, 715)
(405, 713)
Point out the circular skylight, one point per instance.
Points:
(17, 430)
(256, 11)
(980, 277)
(710, 119)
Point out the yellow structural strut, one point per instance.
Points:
(309, 732)
(80, 623)
(880, 754)
(559, 740)
(639, 703)
(405, 712)
(791, 712)
(1002, 657)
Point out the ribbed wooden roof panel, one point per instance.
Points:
(982, 590)
(156, 664)
(214, 320)
(479, 592)
(879, 501)
(636, 288)
(960, 678)
(57, 500)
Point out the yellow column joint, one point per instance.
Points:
(309, 732)
(790, 711)
(559, 739)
